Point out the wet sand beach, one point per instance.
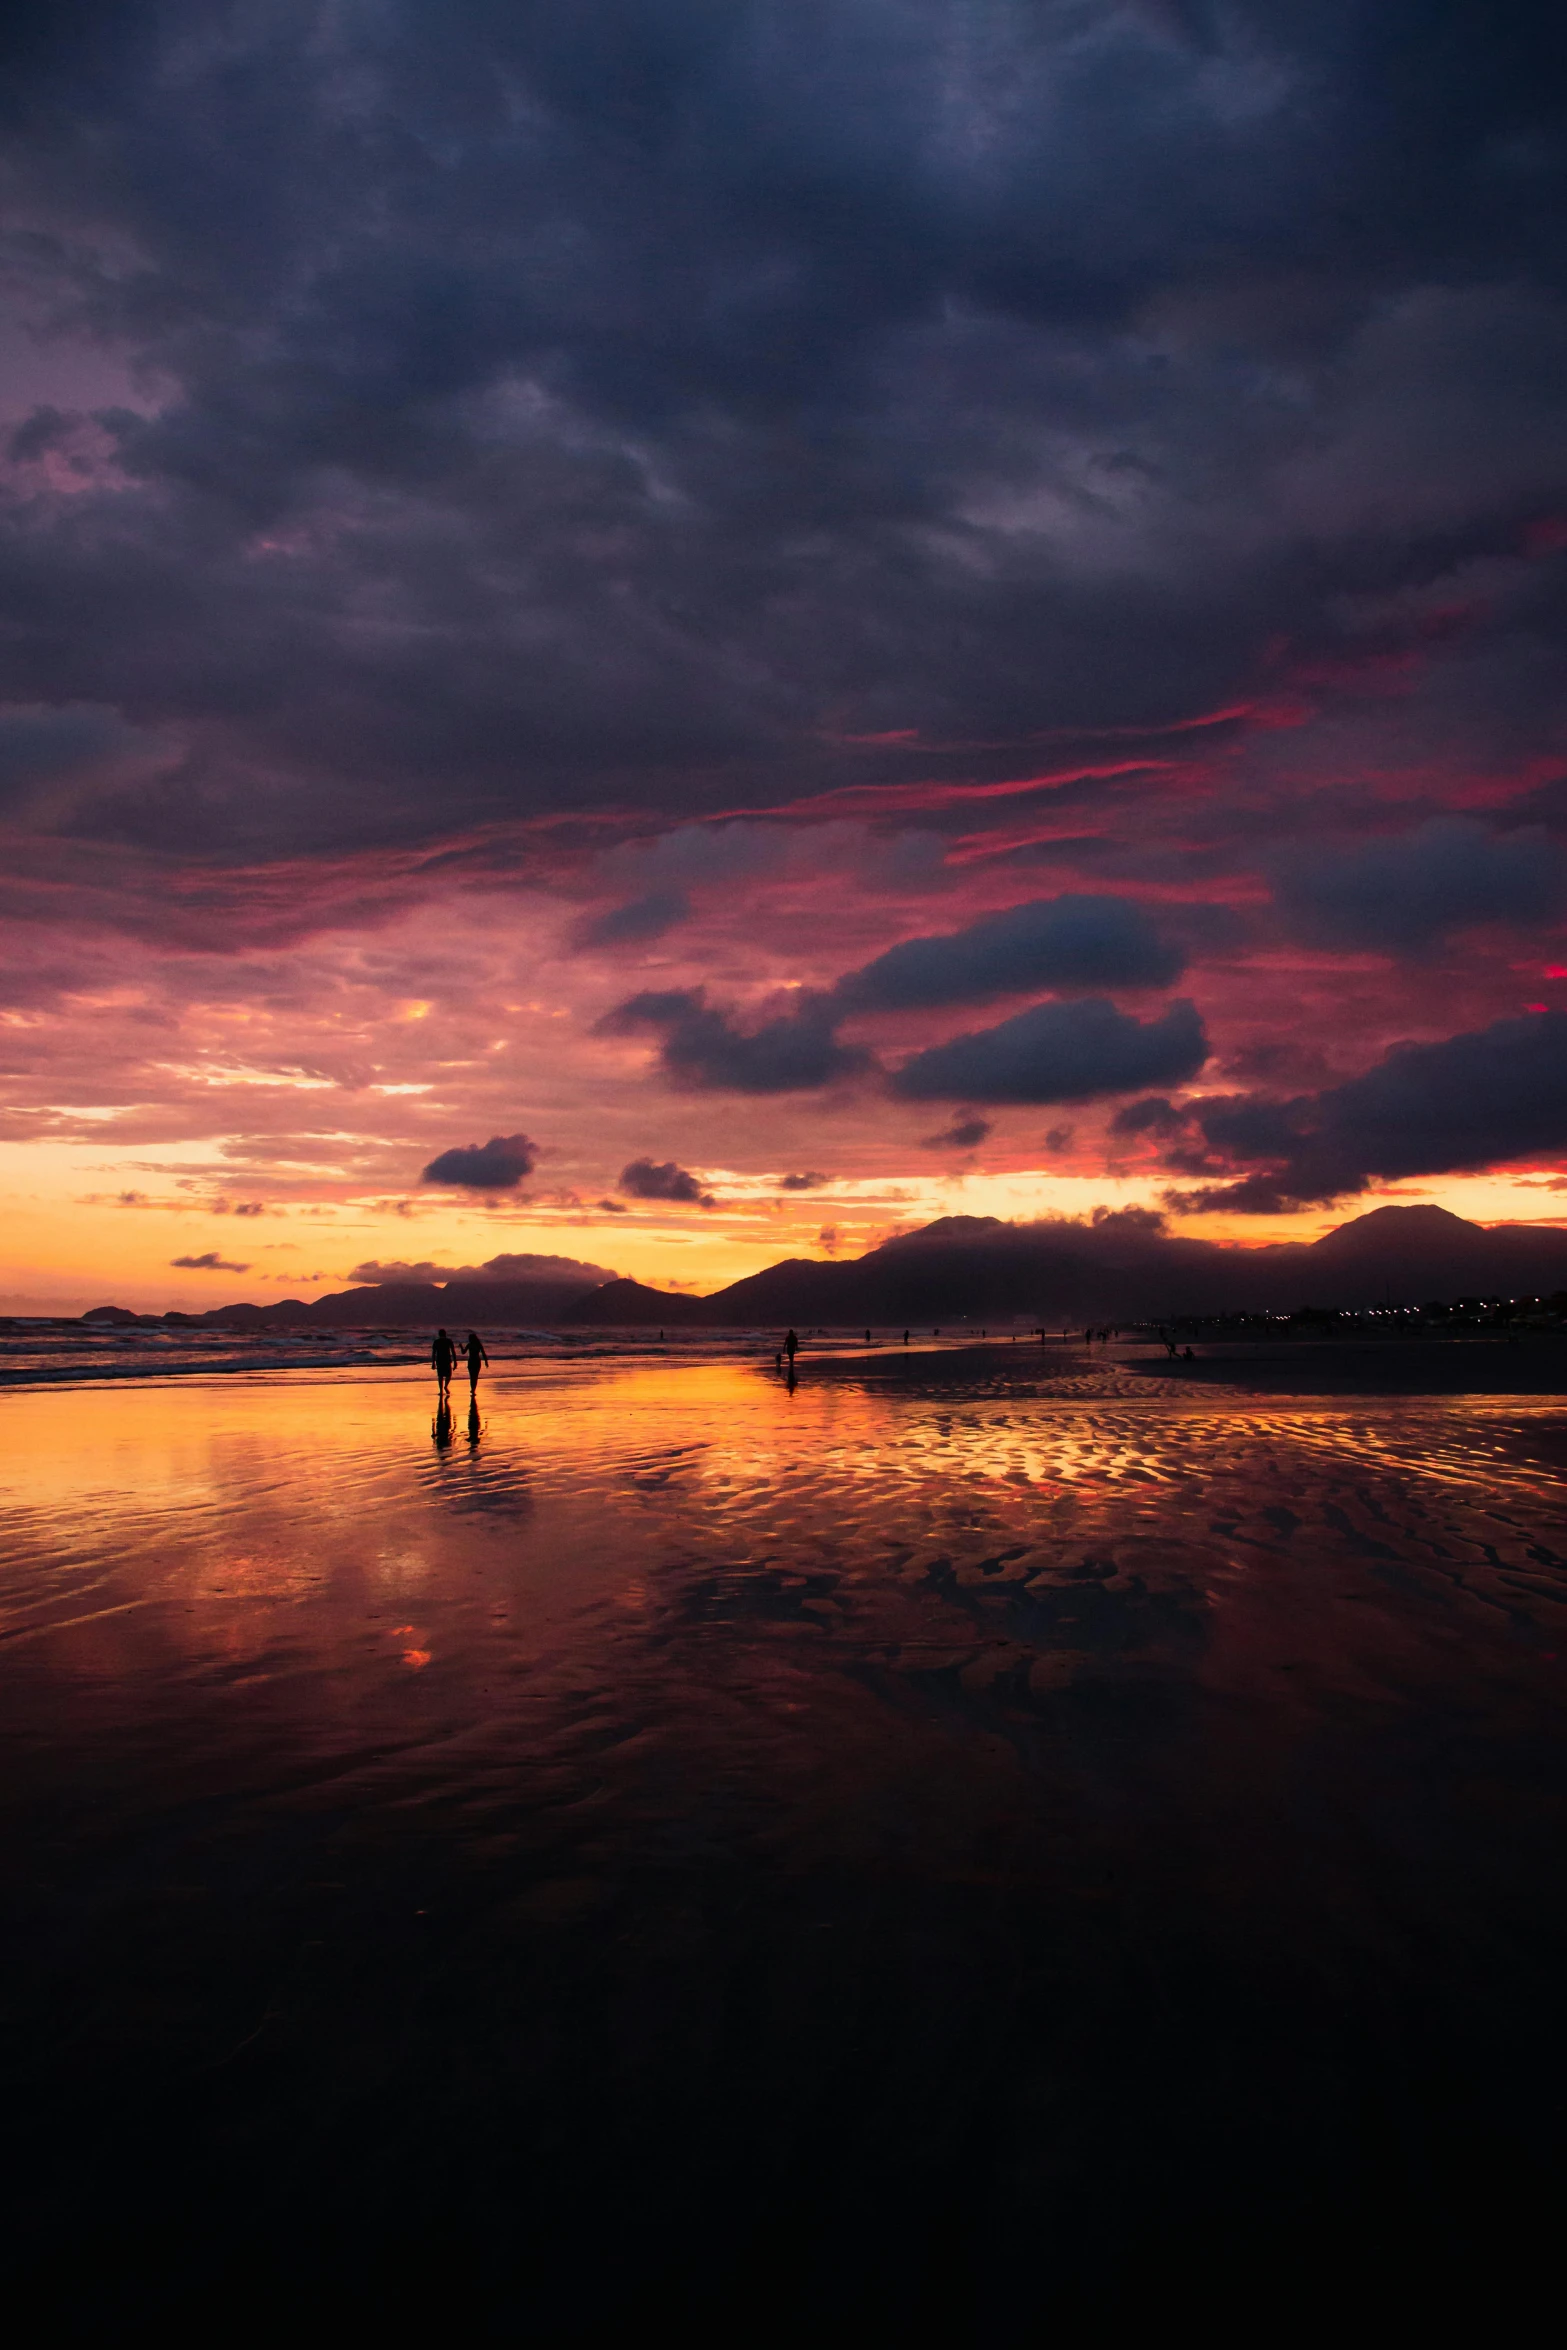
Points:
(991, 1836)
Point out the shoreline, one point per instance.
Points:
(1533, 1364)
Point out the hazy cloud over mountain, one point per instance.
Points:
(510, 1267)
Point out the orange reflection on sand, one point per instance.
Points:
(219, 1534)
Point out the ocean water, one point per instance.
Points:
(980, 1839)
(38, 1352)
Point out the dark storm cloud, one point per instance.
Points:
(1493, 1095)
(664, 1180)
(497, 1165)
(1405, 894)
(706, 1048)
(635, 403)
(1071, 1052)
(1063, 943)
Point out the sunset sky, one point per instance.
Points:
(676, 632)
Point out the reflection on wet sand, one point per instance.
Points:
(1005, 1789)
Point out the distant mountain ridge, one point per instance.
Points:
(1120, 1265)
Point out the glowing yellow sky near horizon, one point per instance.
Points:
(68, 1243)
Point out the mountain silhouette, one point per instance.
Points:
(1116, 1266)
(629, 1304)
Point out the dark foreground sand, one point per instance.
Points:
(989, 1841)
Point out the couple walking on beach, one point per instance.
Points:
(444, 1354)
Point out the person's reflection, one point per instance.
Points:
(441, 1426)
(791, 1382)
(474, 1429)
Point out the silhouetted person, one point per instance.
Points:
(791, 1349)
(1188, 1356)
(867, 1338)
(474, 1350)
(905, 1338)
(443, 1354)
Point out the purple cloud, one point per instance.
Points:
(707, 1049)
(663, 1180)
(1071, 1052)
(497, 1165)
(1491, 1095)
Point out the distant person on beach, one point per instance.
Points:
(443, 1354)
(474, 1350)
(791, 1347)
